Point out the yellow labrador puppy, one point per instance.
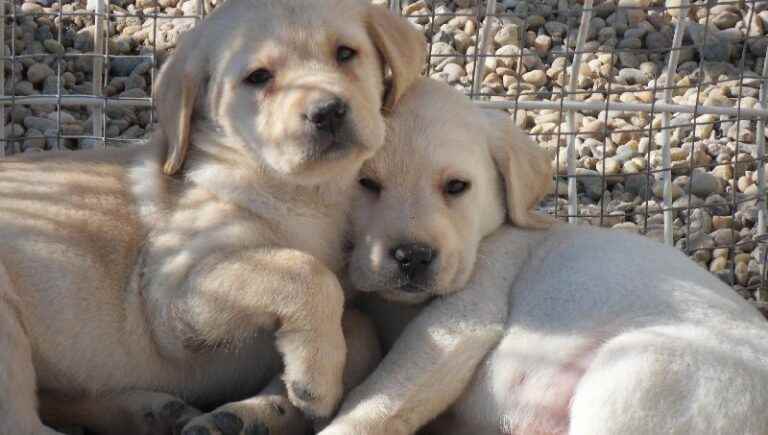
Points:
(426, 202)
(607, 333)
(168, 267)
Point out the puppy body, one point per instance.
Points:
(91, 272)
(612, 333)
(121, 274)
(606, 332)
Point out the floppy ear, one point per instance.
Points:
(403, 48)
(176, 90)
(525, 167)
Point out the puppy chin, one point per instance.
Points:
(337, 163)
(388, 290)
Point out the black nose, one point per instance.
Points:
(414, 258)
(327, 115)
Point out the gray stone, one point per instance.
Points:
(726, 19)
(51, 85)
(686, 202)
(717, 205)
(703, 184)
(133, 132)
(640, 185)
(700, 221)
(591, 182)
(84, 39)
(34, 139)
(123, 66)
(556, 29)
(711, 46)
(452, 73)
(39, 123)
(54, 47)
(725, 237)
(19, 112)
(442, 51)
(134, 93)
(38, 72)
(31, 8)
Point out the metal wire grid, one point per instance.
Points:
(568, 100)
(97, 102)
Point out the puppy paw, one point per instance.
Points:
(166, 417)
(314, 360)
(317, 387)
(312, 400)
(264, 415)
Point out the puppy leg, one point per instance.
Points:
(231, 296)
(18, 404)
(434, 359)
(136, 412)
(426, 370)
(271, 412)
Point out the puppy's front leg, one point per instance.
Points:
(271, 413)
(131, 412)
(426, 370)
(232, 295)
(434, 359)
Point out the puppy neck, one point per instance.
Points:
(223, 170)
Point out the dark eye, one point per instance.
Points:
(345, 54)
(370, 185)
(456, 187)
(260, 77)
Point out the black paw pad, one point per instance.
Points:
(303, 393)
(149, 418)
(227, 423)
(172, 409)
(257, 428)
(196, 430)
(178, 427)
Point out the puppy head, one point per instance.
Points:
(296, 86)
(449, 174)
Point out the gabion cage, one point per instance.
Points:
(653, 111)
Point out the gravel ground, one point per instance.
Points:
(713, 157)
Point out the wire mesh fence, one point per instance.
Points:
(653, 111)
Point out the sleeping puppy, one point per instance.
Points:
(133, 278)
(607, 332)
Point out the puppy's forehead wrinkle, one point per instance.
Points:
(289, 24)
(422, 147)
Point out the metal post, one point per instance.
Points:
(3, 142)
(98, 69)
(666, 160)
(570, 117)
(481, 53)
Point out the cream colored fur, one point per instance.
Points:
(184, 269)
(566, 330)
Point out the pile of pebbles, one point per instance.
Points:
(52, 52)
(529, 49)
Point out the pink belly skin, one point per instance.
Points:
(540, 398)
